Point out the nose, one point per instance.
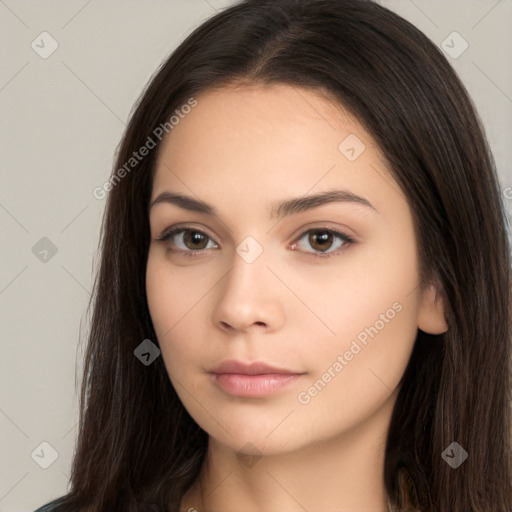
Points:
(249, 298)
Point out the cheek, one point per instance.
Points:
(370, 286)
(371, 309)
(160, 295)
(376, 346)
(355, 375)
(172, 292)
(170, 301)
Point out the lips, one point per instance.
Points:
(251, 380)
(256, 368)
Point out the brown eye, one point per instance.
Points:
(320, 240)
(325, 242)
(195, 240)
(187, 241)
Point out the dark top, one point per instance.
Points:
(48, 507)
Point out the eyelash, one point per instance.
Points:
(168, 234)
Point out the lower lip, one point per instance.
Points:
(253, 385)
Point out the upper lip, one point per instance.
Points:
(256, 368)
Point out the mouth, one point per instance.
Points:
(252, 380)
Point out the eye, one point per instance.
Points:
(323, 240)
(193, 242)
(190, 241)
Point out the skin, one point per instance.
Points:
(241, 149)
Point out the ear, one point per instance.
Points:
(431, 318)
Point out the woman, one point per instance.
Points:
(304, 294)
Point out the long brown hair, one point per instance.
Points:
(138, 449)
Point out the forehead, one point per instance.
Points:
(270, 138)
(251, 116)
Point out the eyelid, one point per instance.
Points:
(184, 227)
(326, 226)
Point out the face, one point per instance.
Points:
(326, 288)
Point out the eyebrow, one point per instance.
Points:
(279, 210)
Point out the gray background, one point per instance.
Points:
(62, 118)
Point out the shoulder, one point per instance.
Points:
(49, 507)
(53, 506)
